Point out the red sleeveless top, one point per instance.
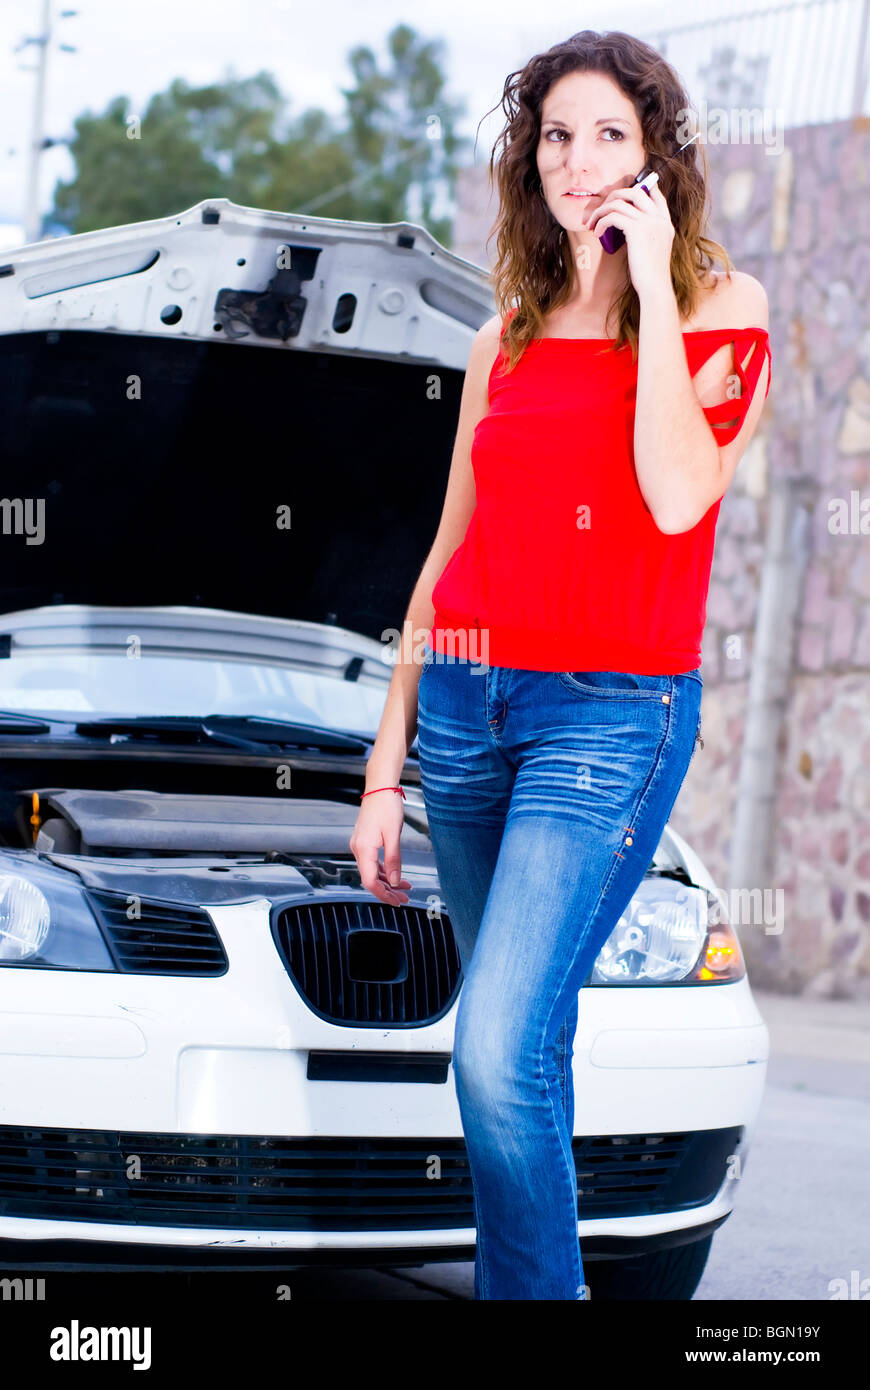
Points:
(562, 567)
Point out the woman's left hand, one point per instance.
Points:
(645, 219)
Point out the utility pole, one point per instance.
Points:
(38, 142)
(862, 66)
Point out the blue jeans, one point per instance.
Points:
(546, 794)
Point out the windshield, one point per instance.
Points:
(77, 685)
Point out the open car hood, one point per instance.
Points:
(231, 408)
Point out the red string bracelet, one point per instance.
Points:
(385, 789)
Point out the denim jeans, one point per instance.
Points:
(546, 794)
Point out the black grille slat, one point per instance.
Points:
(260, 1182)
(429, 960)
(316, 980)
(416, 972)
(332, 979)
(165, 939)
(440, 942)
(312, 940)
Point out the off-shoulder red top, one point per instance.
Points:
(562, 567)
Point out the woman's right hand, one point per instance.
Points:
(380, 822)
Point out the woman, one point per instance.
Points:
(563, 604)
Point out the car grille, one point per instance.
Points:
(369, 963)
(325, 1184)
(164, 939)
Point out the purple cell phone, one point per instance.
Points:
(613, 237)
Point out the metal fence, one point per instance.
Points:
(809, 60)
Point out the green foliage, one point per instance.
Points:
(235, 139)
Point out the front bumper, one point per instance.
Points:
(229, 1056)
(34, 1244)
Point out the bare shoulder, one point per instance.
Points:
(489, 333)
(737, 300)
(484, 348)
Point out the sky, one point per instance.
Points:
(136, 50)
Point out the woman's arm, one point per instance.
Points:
(398, 726)
(681, 469)
(379, 823)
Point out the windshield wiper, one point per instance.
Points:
(14, 722)
(246, 731)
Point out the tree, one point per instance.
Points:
(387, 161)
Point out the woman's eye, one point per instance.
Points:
(611, 129)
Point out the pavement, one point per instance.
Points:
(820, 1045)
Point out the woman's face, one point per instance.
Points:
(591, 139)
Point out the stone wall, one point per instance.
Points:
(788, 617)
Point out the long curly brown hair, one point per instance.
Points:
(532, 271)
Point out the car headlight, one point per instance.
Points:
(45, 920)
(665, 937)
(25, 918)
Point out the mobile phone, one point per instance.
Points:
(613, 237)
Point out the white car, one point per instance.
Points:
(229, 432)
